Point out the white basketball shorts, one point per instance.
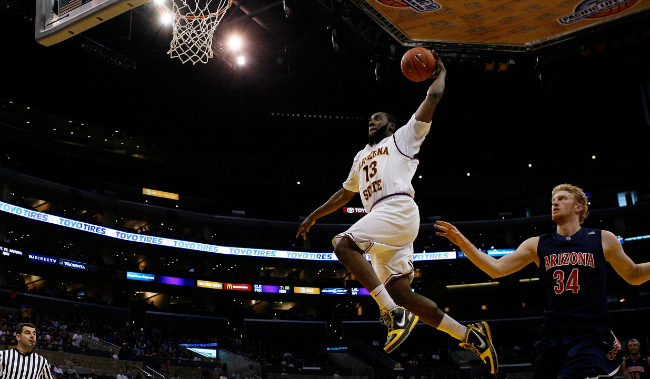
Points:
(387, 234)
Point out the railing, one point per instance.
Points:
(93, 342)
(151, 373)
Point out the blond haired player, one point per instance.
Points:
(576, 341)
(381, 173)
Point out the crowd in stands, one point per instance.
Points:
(70, 333)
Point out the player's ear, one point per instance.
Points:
(392, 127)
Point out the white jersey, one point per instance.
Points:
(387, 168)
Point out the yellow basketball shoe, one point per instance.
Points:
(479, 340)
(400, 321)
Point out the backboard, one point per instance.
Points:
(58, 20)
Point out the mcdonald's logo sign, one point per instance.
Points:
(238, 287)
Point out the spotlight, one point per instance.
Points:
(503, 66)
(489, 66)
(235, 43)
(166, 18)
(241, 60)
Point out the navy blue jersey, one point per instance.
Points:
(638, 369)
(573, 271)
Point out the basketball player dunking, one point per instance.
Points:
(637, 366)
(382, 174)
(576, 341)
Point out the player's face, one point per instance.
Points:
(27, 338)
(633, 347)
(563, 206)
(377, 127)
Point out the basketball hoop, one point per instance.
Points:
(193, 27)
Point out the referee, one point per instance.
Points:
(21, 362)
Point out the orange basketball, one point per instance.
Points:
(418, 64)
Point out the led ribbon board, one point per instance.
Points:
(334, 291)
(8, 251)
(42, 258)
(174, 281)
(72, 264)
(188, 245)
(271, 289)
(208, 284)
(140, 276)
(359, 291)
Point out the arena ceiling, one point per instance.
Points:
(498, 24)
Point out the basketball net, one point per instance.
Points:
(193, 27)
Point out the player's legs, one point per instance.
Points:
(592, 352)
(400, 290)
(351, 256)
(474, 337)
(399, 320)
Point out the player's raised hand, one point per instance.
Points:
(440, 67)
(437, 88)
(451, 232)
(304, 227)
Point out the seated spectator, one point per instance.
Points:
(56, 369)
(120, 375)
(125, 352)
(77, 338)
(71, 371)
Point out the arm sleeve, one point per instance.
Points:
(352, 182)
(46, 373)
(409, 137)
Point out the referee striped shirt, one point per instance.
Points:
(16, 365)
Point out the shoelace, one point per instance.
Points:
(387, 318)
(470, 346)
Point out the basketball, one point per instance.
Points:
(418, 64)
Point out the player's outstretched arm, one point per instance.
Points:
(339, 199)
(434, 94)
(626, 371)
(624, 266)
(495, 268)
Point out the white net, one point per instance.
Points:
(194, 24)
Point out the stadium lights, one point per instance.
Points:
(241, 60)
(235, 43)
(166, 18)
